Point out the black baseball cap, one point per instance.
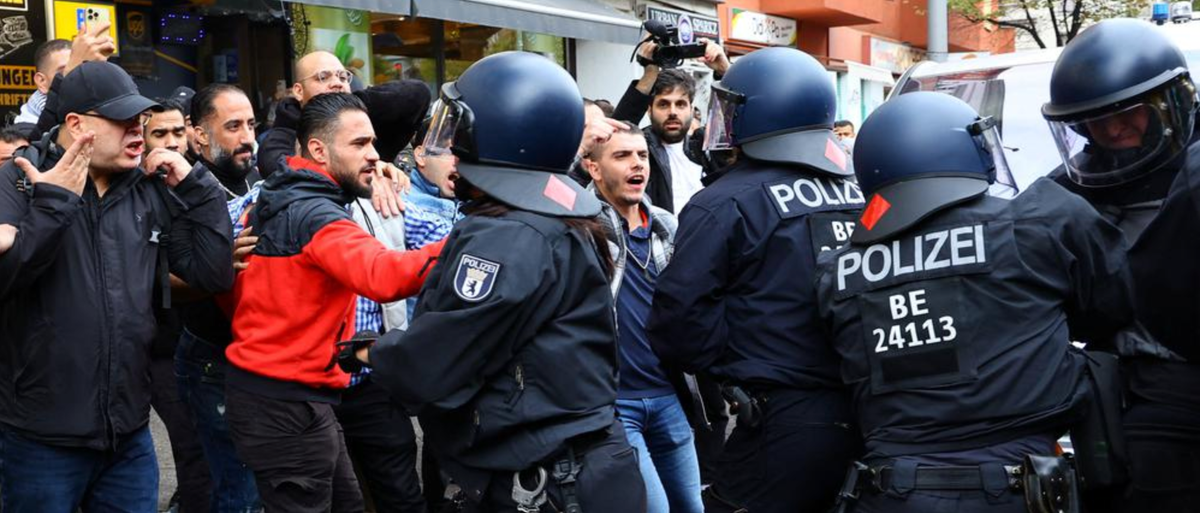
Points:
(103, 88)
(183, 95)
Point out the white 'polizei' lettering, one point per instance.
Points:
(815, 193)
(946, 248)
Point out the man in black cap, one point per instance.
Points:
(97, 237)
(183, 95)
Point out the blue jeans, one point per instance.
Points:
(48, 479)
(659, 430)
(200, 369)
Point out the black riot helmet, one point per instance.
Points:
(777, 105)
(514, 120)
(1122, 103)
(920, 153)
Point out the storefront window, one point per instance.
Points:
(406, 48)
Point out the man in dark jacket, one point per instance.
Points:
(1129, 135)
(78, 291)
(738, 299)
(667, 96)
(396, 109)
(510, 360)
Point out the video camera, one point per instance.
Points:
(670, 53)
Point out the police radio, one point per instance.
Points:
(669, 53)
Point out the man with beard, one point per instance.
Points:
(296, 297)
(667, 96)
(384, 450)
(224, 128)
(224, 123)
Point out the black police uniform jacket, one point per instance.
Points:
(512, 347)
(738, 299)
(1160, 214)
(78, 295)
(956, 333)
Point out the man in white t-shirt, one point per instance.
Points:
(670, 121)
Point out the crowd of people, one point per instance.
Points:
(573, 309)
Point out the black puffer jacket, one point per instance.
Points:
(78, 295)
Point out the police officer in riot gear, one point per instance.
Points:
(953, 312)
(738, 299)
(510, 360)
(1123, 112)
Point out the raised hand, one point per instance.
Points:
(90, 45)
(714, 56)
(597, 132)
(172, 162)
(70, 173)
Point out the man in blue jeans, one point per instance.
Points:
(647, 405)
(97, 236)
(200, 359)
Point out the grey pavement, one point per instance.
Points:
(166, 463)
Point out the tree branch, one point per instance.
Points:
(1054, 23)
(1076, 20)
(1033, 24)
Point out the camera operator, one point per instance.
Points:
(666, 93)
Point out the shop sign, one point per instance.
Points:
(894, 57)
(15, 5)
(22, 26)
(137, 49)
(764, 29)
(691, 26)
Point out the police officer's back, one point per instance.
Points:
(510, 359)
(738, 299)
(1126, 128)
(953, 310)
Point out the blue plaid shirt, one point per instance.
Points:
(421, 227)
(237, 207)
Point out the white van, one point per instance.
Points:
(1181, 12)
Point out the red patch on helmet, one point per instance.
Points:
(874, 212)
(560, 193)
(835, 153)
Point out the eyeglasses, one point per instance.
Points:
(324, 75)
(140, 119)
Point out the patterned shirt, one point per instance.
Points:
(421, 227)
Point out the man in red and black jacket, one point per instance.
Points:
(296, 300)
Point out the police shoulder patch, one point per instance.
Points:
(475, 278)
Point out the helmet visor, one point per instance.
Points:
(987, 133)
(722, 107)
(1124, 143)
(449, 126)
